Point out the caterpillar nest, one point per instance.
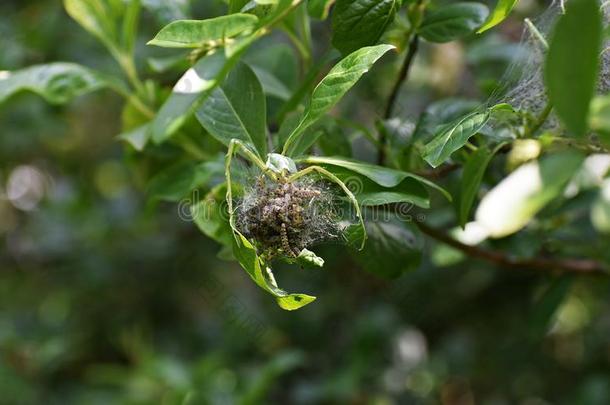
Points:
(283, 218)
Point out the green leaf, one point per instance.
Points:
(334, 86)
(246, 255)
(237, 110)
(174, 63)
(512, 204)
(129, 30)
(236, 5)
(572, 64)
(439, 113)
(499, 14)
(194, 87)
(370, 194)
(452, 22)
(383, 176)
(600, 211)
(327, 132)
(453, 136)
(303, 142)
(599, 118)
(312, 134)
(114, 23)
(279, 63)
(394, 247)
(408, 192)
(359, 23)
(281, 164)
(57, 83)
(307, 258)
(474, 169)
(179, 180)
(272, 86)
(547, 306)
(333, 140)
(93, 16)
(196, 84)
(319, 8)
(199, 33)
(166, 11)
(138, 138)
(211, 216)
(268, 11)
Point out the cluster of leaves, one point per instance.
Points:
(225, 99)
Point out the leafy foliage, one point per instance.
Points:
(237, 110)
(361, 23)
(513, 203)
(334, 86)
(203, 33)
(499, 14)
(246, 255)
(453, 22)
(426, 213)
(58, 82)
(571, 68)
(232, 102)
(474, 170)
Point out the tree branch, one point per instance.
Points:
(402, 77)
(581, 266)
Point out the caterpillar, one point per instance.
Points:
(286, 243)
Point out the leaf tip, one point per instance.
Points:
(293, 302)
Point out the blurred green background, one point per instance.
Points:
(106, 297)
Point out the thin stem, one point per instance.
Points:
(470, 146)
(295, 4)
(306, 30)
(190, 146)
(125, 60)
(129, 67)
(238, 146)
(300, 46)
(402, 77)
(181, 139)
(229, 195)
(544, 115)
(501, 259)
(358, 127)
(536, 33)
(303, 88)
(584, 146)
(133, 99)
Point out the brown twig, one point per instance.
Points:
(581, 266)
(402, 77)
